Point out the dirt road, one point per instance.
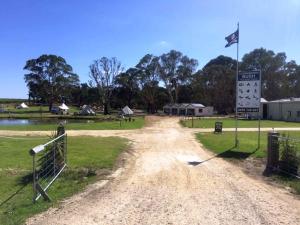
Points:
(163, 183)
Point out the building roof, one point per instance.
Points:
(184, 105)
(196, 105)
(263, 100)
(287, 100)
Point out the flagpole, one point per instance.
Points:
(236, 93)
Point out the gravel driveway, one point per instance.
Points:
(164, 182)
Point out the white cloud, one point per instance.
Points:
(164, 44)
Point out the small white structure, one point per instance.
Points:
(87, 111)
(127, 111)
(186, 109)
(22, 106)
(63, 108)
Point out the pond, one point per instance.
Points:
(12, 122)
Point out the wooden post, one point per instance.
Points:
(273, 153)
(60, 130)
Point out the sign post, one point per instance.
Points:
(218, 127)
(249, 94)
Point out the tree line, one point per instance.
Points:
(157, 80)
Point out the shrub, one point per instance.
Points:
(289, 158)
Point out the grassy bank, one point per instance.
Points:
(92, 125)
(230, 123)
(223, 146)
(85, 156)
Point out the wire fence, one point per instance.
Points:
(48, 161)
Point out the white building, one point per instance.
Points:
(283, 109)
(186, 109)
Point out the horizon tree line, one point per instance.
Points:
(157, 80)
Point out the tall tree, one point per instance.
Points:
(292, 85)
(103, 73)
(272, 67)
(127, 86)
(219, 83)
(50, 78)
(175, 69)
(149, 79)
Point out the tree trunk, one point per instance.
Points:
(176, 94)
(105, 108)
(170, 95)
(50, 106)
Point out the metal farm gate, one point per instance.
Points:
(48, 161)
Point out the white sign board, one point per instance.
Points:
(248, 91)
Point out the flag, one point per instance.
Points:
(232, 38)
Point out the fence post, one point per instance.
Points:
(34, 179)
(273, 152)
(60, 130)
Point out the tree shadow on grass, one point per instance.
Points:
(231, 153)
(235, 154)
(23, 181)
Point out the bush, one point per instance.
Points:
(289, 158)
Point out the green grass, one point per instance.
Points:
(230, 123)
(92, 125)
(223, 146)
(85, 154)
(220, 143)
(289, 181)
(11, 100)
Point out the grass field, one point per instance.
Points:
(223, 146)
(230, 123)
(85, 154)
(92, 125)
(11, 100)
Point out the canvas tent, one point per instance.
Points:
(87, 111)
(127, 111)
(22, 106)
(63, 107)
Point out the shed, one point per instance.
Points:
(188, 109)
(283, 109)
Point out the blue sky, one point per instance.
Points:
(81, 31)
